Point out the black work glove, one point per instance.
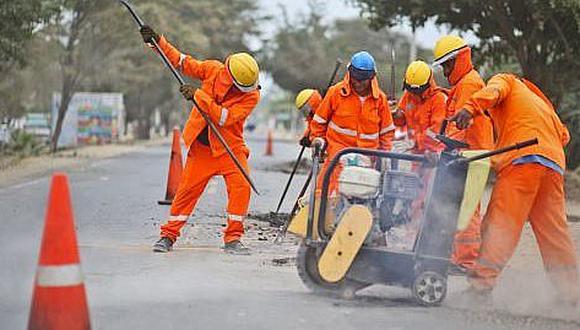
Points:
(462, 119)
(305, 142)
(148, 34)
(187, 91)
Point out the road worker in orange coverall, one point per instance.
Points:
(422, 108)
(354, 113)
(454, 55)
(307, 101)
(529, 186)
(228, 94)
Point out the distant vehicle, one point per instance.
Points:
(38, 124)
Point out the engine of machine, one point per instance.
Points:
(359, 182)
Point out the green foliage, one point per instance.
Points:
(542, 36)
(17, 22)
(88, 45)
(302, 54)
(23, 145)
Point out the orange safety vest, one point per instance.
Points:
(344, 119)
(228, 113)
(423, 115)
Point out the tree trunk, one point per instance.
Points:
(65, 97)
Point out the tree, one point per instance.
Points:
(542, 36)
(17, 22)
(302, 54)
(78, 36)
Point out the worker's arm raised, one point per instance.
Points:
(186, 63)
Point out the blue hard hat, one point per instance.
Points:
(363, 61)
(362, 65)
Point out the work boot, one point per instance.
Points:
(236, 247)
(473, 297)
(163, 245)
(456, 270)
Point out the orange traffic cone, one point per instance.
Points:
(175, 169)
(269, 148)
(59, 300)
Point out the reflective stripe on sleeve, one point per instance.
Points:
(223, 116)
(235, 217)
(387, 129)
(178, 217)
(369, 136)
(319, 119)
(181, 58)
(61, 275)
(341, 130)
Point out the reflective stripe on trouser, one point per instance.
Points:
(521, 192)
(468, 242)
(200, 167)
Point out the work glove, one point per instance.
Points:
(187, 91)
(305, 142)
(148, 34)
(462, 119)
(398, 114)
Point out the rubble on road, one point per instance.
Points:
(275, 219)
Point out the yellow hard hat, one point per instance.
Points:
(303, 97)
(447, 48)
(244, 70)
(418, 74)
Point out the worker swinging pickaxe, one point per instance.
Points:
(229, 92)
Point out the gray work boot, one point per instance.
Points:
(163, 245)
(236, 247)
(457, 270)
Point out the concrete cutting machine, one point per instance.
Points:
(346, 243)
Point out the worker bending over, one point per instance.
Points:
(454, 55)
(354, 113)
(228, 94)
(307, 101)
(529, 185)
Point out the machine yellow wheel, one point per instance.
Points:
(307, 265)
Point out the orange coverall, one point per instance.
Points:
(344, 120)
(314, 102)
(228, 108)
(465, 81)
(423, 115)
(528, 191)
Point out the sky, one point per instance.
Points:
(425, 37)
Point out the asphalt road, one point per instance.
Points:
(197, 286)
